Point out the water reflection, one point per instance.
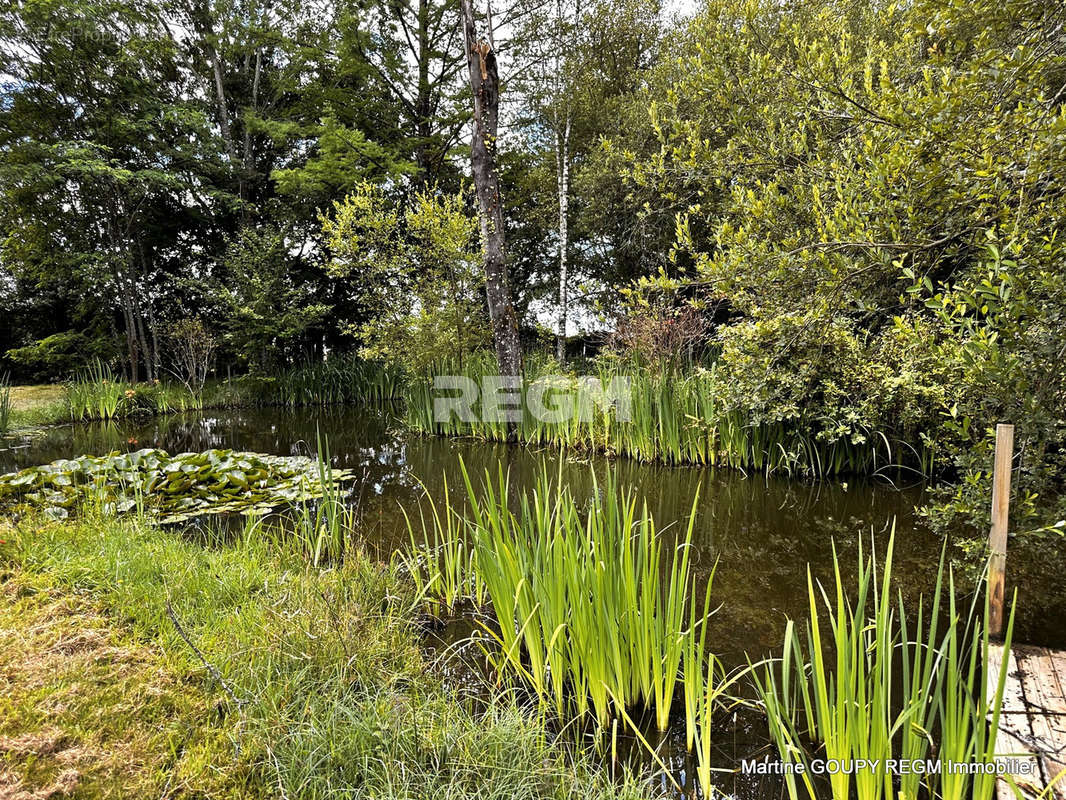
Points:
(761, 532)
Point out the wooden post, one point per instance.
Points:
(997, 536)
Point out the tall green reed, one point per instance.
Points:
(327, 524)
(441, 558)
(340, 379)
(5, 402)
(94, 393)
(837, 696)
(594, 611)
(672, 414)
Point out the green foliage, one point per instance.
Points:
(59, 356)
(440, 559)
(417, 267)
(269, 311)
(172, 488)
(875, 191)
(339, 379)
(95, 394)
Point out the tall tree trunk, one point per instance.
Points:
(423, 100)
(562, 163)
(131, 336)
(200, 15)
(485, 83)
(221, 104)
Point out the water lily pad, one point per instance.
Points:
(174, 488)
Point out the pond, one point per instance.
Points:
(762, 533)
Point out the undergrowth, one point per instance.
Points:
(315, 681)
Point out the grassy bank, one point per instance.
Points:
(98, 394)
(92, 710)
(235, 670)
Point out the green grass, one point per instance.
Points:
(91, 710)
(324, 692)
(32, 406)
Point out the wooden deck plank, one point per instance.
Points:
(1033, 720)
(1013, 698)
(1044, 695)
(1015, 731)
(1058, 662)
(1040, 681)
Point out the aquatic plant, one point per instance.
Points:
(341, 379)
(595, 613)
(672, 415)
(173, 488)
(837, 694)
(324, 521)
(441, 558)
(5, 403)
(94, 393)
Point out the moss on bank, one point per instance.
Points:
(310, 685)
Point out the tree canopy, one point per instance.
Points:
(854, 206)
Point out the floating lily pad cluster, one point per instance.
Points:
(174, 488)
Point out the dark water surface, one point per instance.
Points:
(762, 532)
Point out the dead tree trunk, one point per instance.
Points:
(485, 83)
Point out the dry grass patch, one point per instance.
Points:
(29, 398)
(88, 711)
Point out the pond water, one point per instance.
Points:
(761, 532)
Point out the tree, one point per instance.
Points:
(485, 84)
(416, 267)
(269, 310)
(191, 347)
(97, 135)
(876, 190)
(580, 60)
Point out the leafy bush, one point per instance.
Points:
(418, 268)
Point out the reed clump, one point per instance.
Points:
(96, 393)
(871, 686)
(597, 612)
(668, 413)
(5, 403)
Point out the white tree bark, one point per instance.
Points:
(562, 163)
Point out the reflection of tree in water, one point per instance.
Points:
(761, 531)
